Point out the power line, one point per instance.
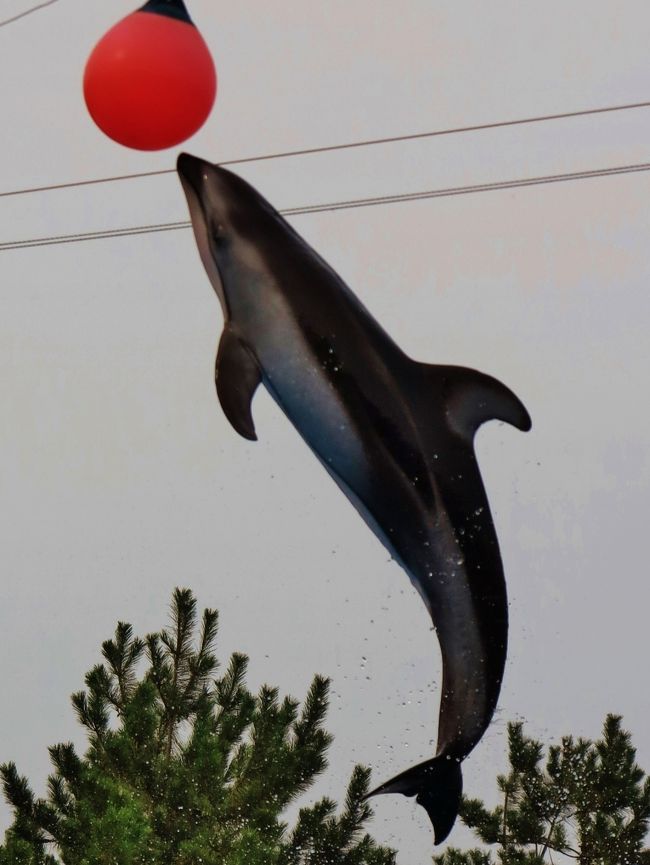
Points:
(338, 205)
(370, 142)
(466, 190)
(26, 12)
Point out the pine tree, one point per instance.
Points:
(590, 802)
(185, 768)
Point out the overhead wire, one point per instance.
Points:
(26, 12)
(330, 206)
(339, 205)
(330, 148)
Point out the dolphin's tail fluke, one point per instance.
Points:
(438, 786)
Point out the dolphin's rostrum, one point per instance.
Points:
(396, 436)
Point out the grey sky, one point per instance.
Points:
(119, 476)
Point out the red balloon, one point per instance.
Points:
(150, 82)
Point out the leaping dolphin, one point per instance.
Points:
(396, 436)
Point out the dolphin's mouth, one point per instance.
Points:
(192, 173)
(189, 173)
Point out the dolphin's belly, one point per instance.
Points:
(312, 403)
(330, 410)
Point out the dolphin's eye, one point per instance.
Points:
(218, 232)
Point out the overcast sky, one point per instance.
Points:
(119, 476)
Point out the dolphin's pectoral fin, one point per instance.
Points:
(237, 375)
(472, 398)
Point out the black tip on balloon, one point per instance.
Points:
(171, 8)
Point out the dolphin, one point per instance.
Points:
(396, 436)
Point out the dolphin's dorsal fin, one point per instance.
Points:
(472, 398)
(237, 376)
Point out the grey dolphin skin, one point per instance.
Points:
(395, 435)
